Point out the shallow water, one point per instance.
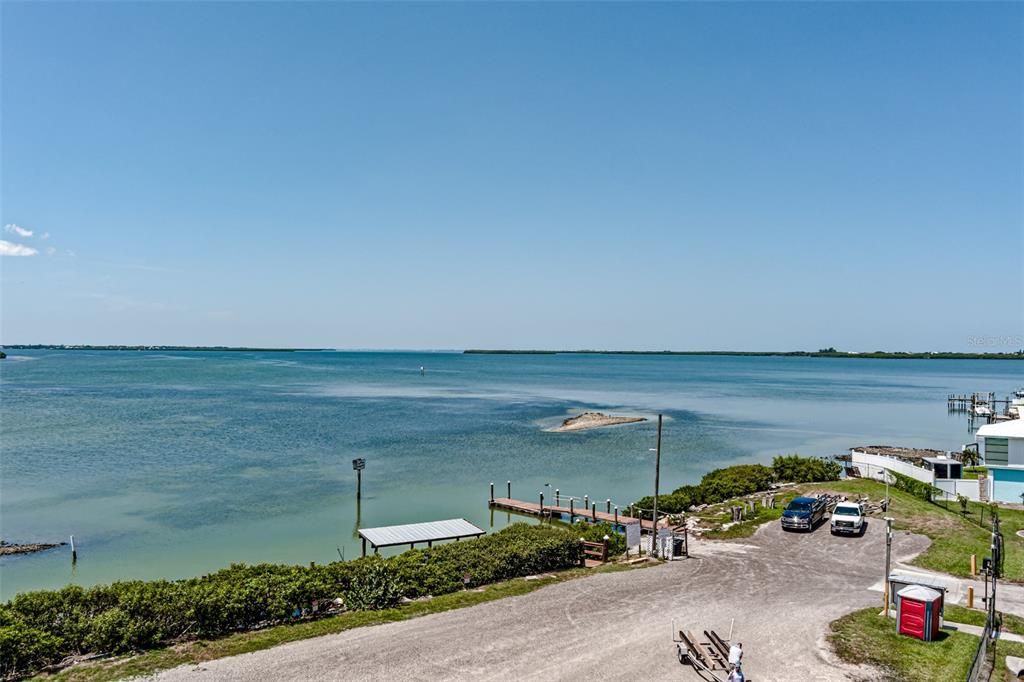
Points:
(175, 464)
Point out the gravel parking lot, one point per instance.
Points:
(782, 588)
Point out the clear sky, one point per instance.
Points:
(628, 176)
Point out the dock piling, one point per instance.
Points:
(74, 554)
(572, 510)
(558, 498)
(492, 491)
(608, 506)
(594, 511)
(509, 484)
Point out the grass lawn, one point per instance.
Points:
(972, 472)
(246, 642)
(864, 637)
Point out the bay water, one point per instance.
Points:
(173, 464)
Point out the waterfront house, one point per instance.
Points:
(1001, 447)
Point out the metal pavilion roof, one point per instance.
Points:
(431, 531)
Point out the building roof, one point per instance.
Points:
(918, 592)
(1010, 429)
(431, 531)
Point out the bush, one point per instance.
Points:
(596, 532)
(797, 469)
(24, 648)
(735, 481)
(913, 486)
(374, 587)
(41, 628)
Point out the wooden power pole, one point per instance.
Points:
(657, 481)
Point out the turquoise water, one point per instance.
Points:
(175, 464)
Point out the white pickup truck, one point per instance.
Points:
(848, 519)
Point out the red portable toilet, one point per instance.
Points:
(917, 612)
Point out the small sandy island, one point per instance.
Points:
(594, 420)
(10, 548)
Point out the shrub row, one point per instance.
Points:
(41, 628)
(913, 486)
(743, 479)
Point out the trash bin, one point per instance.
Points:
(917, 612)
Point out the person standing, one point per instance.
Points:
(736, 655)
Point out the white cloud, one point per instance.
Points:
(11, 249)
(50, 250)
(18, 230)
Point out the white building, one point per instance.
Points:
(1001, 446)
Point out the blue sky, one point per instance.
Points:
(646, 176)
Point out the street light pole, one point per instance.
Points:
(657, 481)
(888, 555)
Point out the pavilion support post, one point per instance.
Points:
(364, 546)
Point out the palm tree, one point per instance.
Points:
(969, 457)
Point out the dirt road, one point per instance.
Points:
(782, 588)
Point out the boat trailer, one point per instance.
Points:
(707, 655)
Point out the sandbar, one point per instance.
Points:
(594, 420)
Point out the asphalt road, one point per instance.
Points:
(782, 589)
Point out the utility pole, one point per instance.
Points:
(888, 556)
(657, 481)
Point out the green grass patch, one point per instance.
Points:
(247, 642)
(864, 637)
(973, 472)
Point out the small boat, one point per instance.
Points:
(1016, 408)
(982, 410)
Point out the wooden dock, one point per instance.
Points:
(534, 509)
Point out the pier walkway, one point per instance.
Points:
(534, 509)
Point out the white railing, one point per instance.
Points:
(969, 488)
(871, 466)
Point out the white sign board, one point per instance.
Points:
(633, 534)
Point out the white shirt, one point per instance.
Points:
(735, 654)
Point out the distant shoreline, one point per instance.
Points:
(225, 349)
(877, 355)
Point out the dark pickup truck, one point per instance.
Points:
(803, 513)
